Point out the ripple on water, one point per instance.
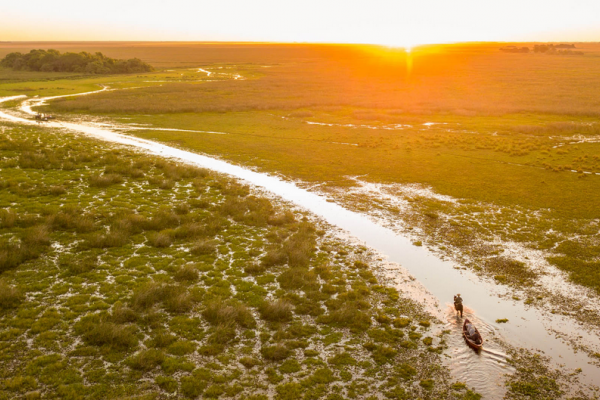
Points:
(484, 370)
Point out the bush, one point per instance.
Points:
(203, 247)
(37, 236)
(280, 219)
(276, 311)
(249, 362)
(298, 278)
(10, 296)
(72, 219)
(109, 334)
(162, 339)
(254, 269)
(76, 267)
(56, 190)
(160, 240)
(187, 273)
(122, 314)
(146, 360)
(113, 238)
(220, 312)
(274, 257)
(347, 316)
(174, 298)
(181, 348)
(277, 352)
(103, 181)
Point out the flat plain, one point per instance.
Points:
(476, 152)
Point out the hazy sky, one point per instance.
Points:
(396, 22)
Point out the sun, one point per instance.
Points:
(401, 44)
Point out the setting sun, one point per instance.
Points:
(300, 200)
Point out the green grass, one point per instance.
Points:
(489, 154)
(109, 312)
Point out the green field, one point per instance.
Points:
(497, 142)
(217, 293)
(174, 296)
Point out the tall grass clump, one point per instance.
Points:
(103, 181)
(34, 241)
(276, 311)
(146, 360)
(187, 273)
(174, 298)
(112, 238)
(10, 296)
(203, 247)
(104, 333)
(220, 312)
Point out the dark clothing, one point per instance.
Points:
(458, 304)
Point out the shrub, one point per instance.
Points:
(254, 269)
(122, 314)
(103, 181)
(161, 239)
(187, 273)
(203, 247)
(167, 384)
(274, 257)
(191, 387)
(56, 190)
(34, 242)
(36, 236)
(161, 220)
(76, 267)
(220, 312)
(182, 209)
(109, 239)
(146, 360)
(177, 301)
(10, 296)
(162, 339)
(277, 352)
(109, 334)
(347, 316)
(8, 218)
(174, 298)
(298, 278)
(276, 311)
(222, 335)
(72, 219)
(249, 362)
(281, 219)
(181, 348)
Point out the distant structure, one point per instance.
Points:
(514, 49)
(562, 49)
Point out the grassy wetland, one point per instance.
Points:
(520, 155)
(221, 292)
(215, 292)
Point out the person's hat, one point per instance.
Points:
(458, 294)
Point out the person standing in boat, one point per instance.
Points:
(458, 306)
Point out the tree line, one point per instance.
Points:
(53, 61)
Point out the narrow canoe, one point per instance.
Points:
(469, 341)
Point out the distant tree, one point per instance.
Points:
(52, 60)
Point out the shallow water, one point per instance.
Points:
(527, 327)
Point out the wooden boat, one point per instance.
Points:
(469, 341)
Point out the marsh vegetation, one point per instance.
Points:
(120, 286)
(471, 152)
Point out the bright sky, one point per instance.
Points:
(391, 22)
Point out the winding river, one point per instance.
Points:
(528, 327)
